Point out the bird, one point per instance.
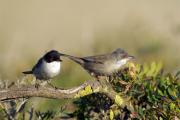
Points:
(103, 65)
(47, 67)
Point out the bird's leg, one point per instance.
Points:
(101, 80)
(113, 76)
(98, 79)
(109, 78)
(108, 81)
(37, 84)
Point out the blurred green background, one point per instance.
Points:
(149, 30)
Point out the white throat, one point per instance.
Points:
(121, 62)
(53, 68)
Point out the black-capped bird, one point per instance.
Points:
(47, 67)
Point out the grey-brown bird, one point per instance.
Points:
(103, 65)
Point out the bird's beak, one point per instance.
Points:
(131, 57)
(60, 56)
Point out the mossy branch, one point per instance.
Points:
(27, 91)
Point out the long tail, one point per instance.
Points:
(75, 59)
(27, 72)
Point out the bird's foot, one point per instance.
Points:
(103, 80)
(37, 85)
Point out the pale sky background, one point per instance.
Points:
(81, 27)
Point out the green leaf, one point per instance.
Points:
(158, 67)
(160, 118)
(111, 115)
(171, 92)
(172, 106)
(151, 69)
(140, 111)
(145, 68)
(88, 89)
(160, 92)
(138, 68)
(118, 100)
(150, 98)
(84, 92)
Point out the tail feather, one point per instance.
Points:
(27, 72)
(75, 59)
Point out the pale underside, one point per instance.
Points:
(107, 68)
(46, 70)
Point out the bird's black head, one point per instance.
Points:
(51, 56)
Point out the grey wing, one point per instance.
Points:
(97, 59)
(96, 68)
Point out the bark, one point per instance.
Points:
(46, 92)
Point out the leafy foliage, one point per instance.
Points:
(143, 92)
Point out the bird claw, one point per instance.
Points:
(37, 86)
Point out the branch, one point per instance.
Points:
(30, 91)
